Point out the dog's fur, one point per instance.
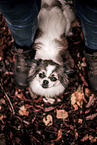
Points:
(48, 75)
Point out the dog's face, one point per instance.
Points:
(47, 78)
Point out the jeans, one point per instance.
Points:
(21, 18)
(87, 12)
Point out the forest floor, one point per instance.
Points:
(71, 120)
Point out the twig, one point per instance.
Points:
(11, 106)
(82, 77)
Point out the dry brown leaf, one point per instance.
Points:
(47, 109)
(92, 99)
(52, 143)
(1, 118)
(87, 92)
(85, 138)
(18, 94)
(1, 58)
(2, 101)
(49, 100)
(80, 65)
(59, 135)
(92, 139)
(76, 134)
(61, 114)
(74, 101)
(91, 117)
(26, 122)
(87, 111)
(23, 111)
(48, 120)
(80, 121)
(77, 98)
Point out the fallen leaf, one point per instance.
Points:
(87, 111)
(80, 65)
(59, 135)
(1, 117)
(48, 120)
(87, 92)
(26, 122)
(80, 121)
(47, 109)
(85, 138)
(1, 58)
(23, 111)
(91, 117)
(76, 135)
(61, 114)
(19, 127)
(18, 94)
(49, 100)
(2, 101)
(74, 101)
(92, 139)
(77, 98)
(92, 99)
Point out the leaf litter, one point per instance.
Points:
(26, 120)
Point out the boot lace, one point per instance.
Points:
(92, 61)
(21, 61)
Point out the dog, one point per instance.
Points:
(48, 74)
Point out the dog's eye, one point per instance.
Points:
(53, 78)
(42, 75)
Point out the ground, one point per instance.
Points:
(71, 120)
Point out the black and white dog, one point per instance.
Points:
(48, 74)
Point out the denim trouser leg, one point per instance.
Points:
(87, 12)
(21, 18)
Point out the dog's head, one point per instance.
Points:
(48, 78)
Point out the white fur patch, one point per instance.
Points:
(48, 92)
(50, 68)
(52, 23)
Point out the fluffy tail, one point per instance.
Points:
(67, 12)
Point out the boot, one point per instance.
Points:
(91, 60)
(21, 68)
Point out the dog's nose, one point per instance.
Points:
(45, 84)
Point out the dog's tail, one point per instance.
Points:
(48, 2)
(52, 2)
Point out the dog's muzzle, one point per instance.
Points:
(45, 84)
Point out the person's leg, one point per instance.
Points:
(21, 18)
(87, 12)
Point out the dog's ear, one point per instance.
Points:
(33, 62)
(33, 68)
(65, 72)
(64, 80)
(69, 71)
(62, 75)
